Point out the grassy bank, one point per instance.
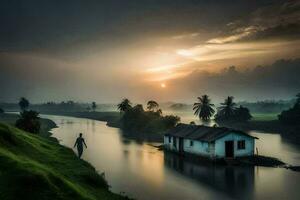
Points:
(46, 124)
(34, 167)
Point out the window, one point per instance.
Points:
(241, 144)
(191, 143)
(169, 139)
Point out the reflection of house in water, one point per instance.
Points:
(235, 181)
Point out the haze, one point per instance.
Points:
(167, 50)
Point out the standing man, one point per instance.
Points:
(79, 143)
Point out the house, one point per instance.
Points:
(211, 142)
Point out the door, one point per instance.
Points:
(180, 145)
(229, 149)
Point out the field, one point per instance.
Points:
(264, 116)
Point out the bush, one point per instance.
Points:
(29, 121)
(291, 116)
(241, 114)
(137, 119)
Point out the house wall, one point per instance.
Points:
(199, 147)
(215, 149)
(220, 145)
(170, 145)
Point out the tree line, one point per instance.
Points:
(135, 118)
(228, 111)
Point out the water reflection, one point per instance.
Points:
(141, 171)
(234, 181)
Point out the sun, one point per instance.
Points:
(162, 85)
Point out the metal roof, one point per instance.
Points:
(202, 133)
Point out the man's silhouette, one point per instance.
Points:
(79, 143)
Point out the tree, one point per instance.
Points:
(1, 110)
(152, 105)
(23, 103)
(94, 106)
(124, 106)
(298, 98)
(242, 114)
(203, 108)
(29, 121)
(227, 109)
(292, 115)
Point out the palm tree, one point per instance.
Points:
(227, 108)
(94, 106)
(23, 103)
(152, 105)
(124, 106)
(203, 108)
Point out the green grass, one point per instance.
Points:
(264, 116)
(34, 167)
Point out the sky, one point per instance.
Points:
(166, 50)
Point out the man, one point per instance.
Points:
(79, 143)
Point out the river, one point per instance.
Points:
(141, 171)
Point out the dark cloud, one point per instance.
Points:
(62, 25)
(277, 81)
(273, 21)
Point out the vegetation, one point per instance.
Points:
(291, 116)
(268, 106)
(1, 111)
(152, 105)
(229, 112)
(203, 108)
(23, 103)
(94, 106)
(29, 121)
(227, 109)
(136, 119)
(125, 105)
(34, 167)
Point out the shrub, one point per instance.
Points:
(29, 121)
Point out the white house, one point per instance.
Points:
(212, 142)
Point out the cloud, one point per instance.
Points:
(277, 81)
(277, 21)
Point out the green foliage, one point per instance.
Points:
(203, 108)
(137, 119)
(33, 167)
(291, 116)
(240, 114)
(94, 106)
(23, 103)
(124, 106)
(29, 121)
(227, 109)
(152, 105)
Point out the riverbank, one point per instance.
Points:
(112, 119)
(36, 167)
(46, 124)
